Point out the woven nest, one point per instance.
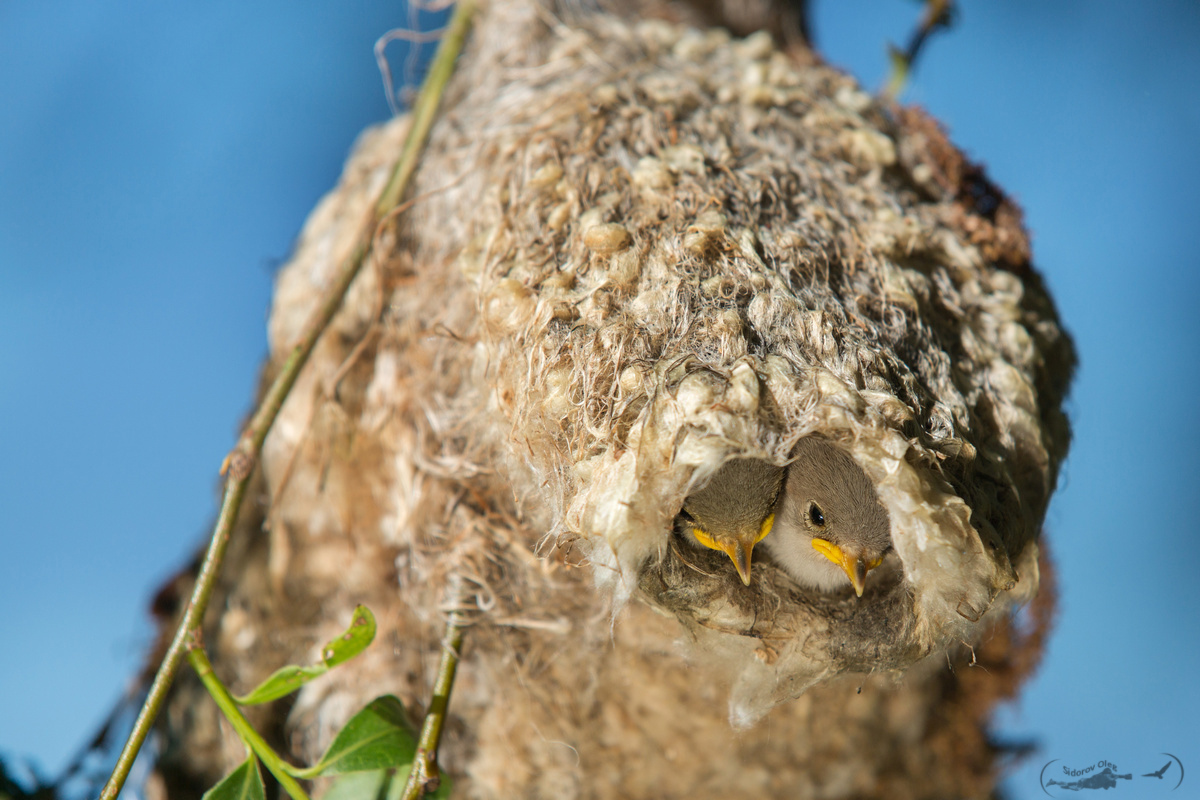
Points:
(640, 250)
(686, 248)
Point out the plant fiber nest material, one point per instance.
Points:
(640, 250)
(710, 254)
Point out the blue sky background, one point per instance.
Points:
(157, 160)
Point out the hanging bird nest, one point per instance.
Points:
(690, 249)
(640, 250)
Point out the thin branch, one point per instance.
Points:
(235, 490)
(426, 106)
(938, 14)
(229, 707)
(425, 775)
(239, 464)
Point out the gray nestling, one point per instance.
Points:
(734, 510)
(829, 524)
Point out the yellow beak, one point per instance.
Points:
(737, 548)
(853, 564)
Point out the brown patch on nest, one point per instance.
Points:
(981, 211)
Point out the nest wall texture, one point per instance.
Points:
(640, 250)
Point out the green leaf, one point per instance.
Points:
(244, 783)
(358, 786)
(282, 682)
(286, 680)
(379, 784)
(378, 736)
(353, 641)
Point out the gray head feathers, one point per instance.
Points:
(824, 474)
(830, 526)
(733, 511)
(739, 496)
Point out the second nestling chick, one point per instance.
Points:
(734, 510)
(829, 524)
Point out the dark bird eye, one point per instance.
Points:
(816, 515)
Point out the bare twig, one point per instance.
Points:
(425, 775)
(239, 464)
(938, 14)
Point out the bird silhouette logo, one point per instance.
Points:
(1104, 775)
(1165, 767)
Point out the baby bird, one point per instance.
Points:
(733, 512)
(829, 523)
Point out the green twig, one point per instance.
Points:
(239, 464)
(235, 489)
(229, 707)
(425, 775)
(938, 14)
(426, 106)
